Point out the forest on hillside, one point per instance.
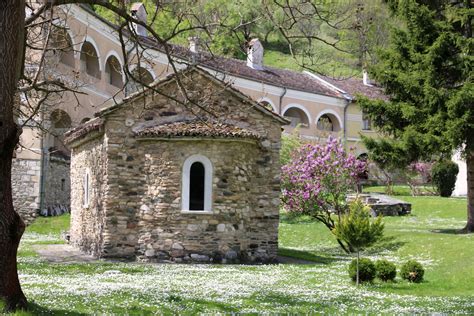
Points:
(333, 37)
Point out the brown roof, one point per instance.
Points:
(354, 86)
(82, 130)
(273, 76)
(212, 129)
(231, 66)
(238, 93)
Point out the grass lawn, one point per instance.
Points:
(323, 287)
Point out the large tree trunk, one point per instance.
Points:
(470, 193)
(12, 17)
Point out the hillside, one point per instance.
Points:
(334, 38)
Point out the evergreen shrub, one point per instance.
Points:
(444, 175)
(386, 271)
(367, 270)
(412, 271)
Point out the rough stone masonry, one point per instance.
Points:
(134, 156)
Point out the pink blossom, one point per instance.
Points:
(318, 175)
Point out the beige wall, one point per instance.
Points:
(99, 91)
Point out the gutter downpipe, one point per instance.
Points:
(42, 172)
(281, 100)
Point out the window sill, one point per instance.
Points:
(197, 212)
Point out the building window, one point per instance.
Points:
(366, 122)
(297, 117)
(90, 60)
(63, 184)
(325, 123)
(139, 80)
(328, 122)
(197, 184)
(62, 44)
(86, 189)
(113, 71)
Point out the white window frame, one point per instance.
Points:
(86, 188)
(207, 184)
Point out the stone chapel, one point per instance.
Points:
(161, 176)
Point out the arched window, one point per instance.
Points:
(140, 76)
(90, 60)
(60, 119)
(328, 122)
(297, 117)
(267, 105)
(197, 184)
(113, 71)
(62, 44)
(325, 123)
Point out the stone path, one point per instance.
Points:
(63, 253)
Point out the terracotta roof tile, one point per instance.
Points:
(273, 76)
(82, 130)
(354, 86)
(196, 128)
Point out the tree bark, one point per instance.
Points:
(470, 193)
(12, 19)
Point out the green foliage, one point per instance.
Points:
(289, 144)
(386, 270)
(444, 175)
(356, 227)
(412, 271)
(367, 270)
(427, 72)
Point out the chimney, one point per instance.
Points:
(138, 11)
(194, 44)
(365, 78)
(255, 54)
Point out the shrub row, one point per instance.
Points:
(412, 271)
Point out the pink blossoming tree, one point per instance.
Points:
(316, 181)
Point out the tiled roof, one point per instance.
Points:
(273, 76)
(199, 128)
(235, 67)
(354, 86)
(82, 130)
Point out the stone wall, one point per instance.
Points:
(26, 174)
(57, 183)
(87, 222)
(142, 215)
(244, 219)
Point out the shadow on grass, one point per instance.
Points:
(35, 309)
(449, 231)
(386, 243)
(306, 257)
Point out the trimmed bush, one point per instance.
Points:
(444, 175)
(386, 271)
(412, 271)
(367, 270)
